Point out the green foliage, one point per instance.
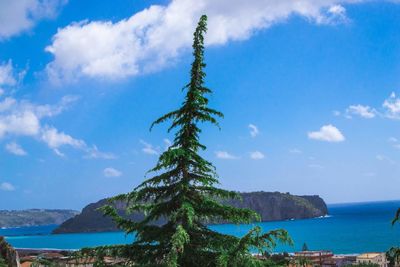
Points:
(183, 191)
(281, 259)
(393, 256)
(3, 263)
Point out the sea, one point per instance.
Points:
(348, 229)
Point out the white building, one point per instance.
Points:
(374, 258)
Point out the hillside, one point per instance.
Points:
(272, 206)
(18, 218)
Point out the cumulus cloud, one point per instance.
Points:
(253, 130)
(363, 111)
(111, 172)
(327, 133)
(149, 148)
(156, 36)
(6, 187)
(23, 118)
(224, 155)
(21, 15)
(257, 155)
(15, 149)
(392, 106)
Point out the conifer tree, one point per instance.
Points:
(183, 192)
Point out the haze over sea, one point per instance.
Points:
(350, 228)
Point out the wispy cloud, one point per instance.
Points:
(167, 143)
(15, 149)
(315, 166)
(385, 159)
(253, 130)
(363, 111)
(149, 148)
(5, 186)
(225, 155)
(392, 107)
(327, 133)
(295, 151)
(256, 155)
(111, 172)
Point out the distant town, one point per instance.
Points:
(322, 258)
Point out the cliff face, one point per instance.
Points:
(273, 206)
(18, 218)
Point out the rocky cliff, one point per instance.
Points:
(272, 206)
(18, 218)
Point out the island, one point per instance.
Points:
(272, 206)
(34, 217)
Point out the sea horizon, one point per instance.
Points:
(350, 229)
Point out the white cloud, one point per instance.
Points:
(363, 111)
(55, 139)
(148, 148)
(18, 16)
(167, 143)
(327, 133)
(392, 107)
(315, 166)
(336, 113)
(22, 118)
(6, 187)
(94, 153)
(385, 158)
(7, 74)
(224, 155)
(337, 14)
(253, 130)
(142, 43)
(256, 155)
(111, 172)
(393, 140)
(295, 151)
(15, 149)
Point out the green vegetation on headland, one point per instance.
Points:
(18, 218)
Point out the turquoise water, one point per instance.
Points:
(350, 228)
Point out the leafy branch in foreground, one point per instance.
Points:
(183, 192)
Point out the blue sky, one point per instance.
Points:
(310, 92)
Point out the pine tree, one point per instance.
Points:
(183, 192)
(305, 247)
